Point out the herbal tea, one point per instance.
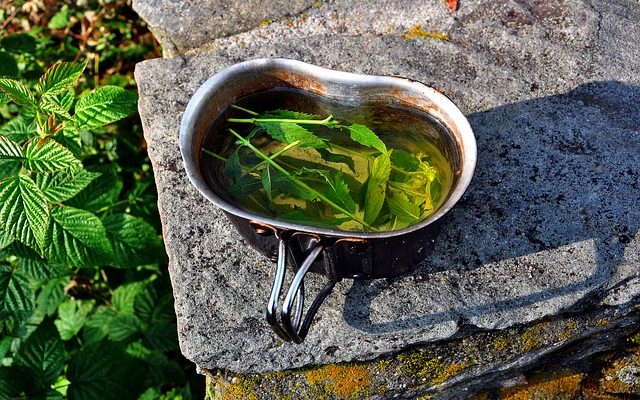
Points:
(323, 171)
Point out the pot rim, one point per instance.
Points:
(198, 101)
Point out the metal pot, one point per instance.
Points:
(334, 253)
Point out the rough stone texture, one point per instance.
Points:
(187, 24)
(549, 225)
(499, 361)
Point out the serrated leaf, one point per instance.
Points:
(16, 295)
(72, 314)
(40, 269)
(5, 239)
(124, 297)
(47, 155)
(60, 77)
(13, 381)
(400, 206)
(232, 168)
(61, 186)
(134, 241)
(100, 193)
(288, 132)
(10, 150)
(104, 105)
(43, 353)
(366, 137)
(24, 212)
(338, 191)
(337, 158)
(19, 43)
(8, 65)
(288, 114)
(19, 129)
(104, 371)
(63, 100)
(50, 296)
(9, 168)
(123, 327)
(18, 92)
(96, 327)
(404, 160)
(76, 237)
(266, 182)
(285, 185)
(376, 187)
(60, 19)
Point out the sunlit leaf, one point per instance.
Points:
(24, 212)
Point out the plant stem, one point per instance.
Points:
(292, 121)
(274, 155)
(245, 110)
(298, 181)
(214, 155)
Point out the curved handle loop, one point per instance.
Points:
(292, 330)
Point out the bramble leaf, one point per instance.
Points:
(24, 212)
(134, 241)
(76, 237)
(50, 296)
(101, 193)
(16, 295)
(8, 65)
(5, 239)
(400, 206)
(47, 155)
(288, 132)
(19, 43)
(61, 186)
(60, 77)
(10, 150)
(376, 187)
(124, 297)
(103, 106)
(63, 100)
(366, 137)
(18, 92)
(72, 314)
(43, 354)
(18, 129)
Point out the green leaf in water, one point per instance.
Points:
(366, 137)
(266, 182)
(233, 168)
(288, 114)
(400, 206)
(337, 158)
(288, 132)
(376, 187)
(338, 191)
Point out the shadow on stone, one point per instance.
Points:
(551, 213)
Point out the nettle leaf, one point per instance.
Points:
(61, 186)
(19, 129)
(77, 237)
(266, 182)
(104, 105)
(72, 314)
(366, 137)
(10, 150)
(337, 158)
(338, 191)
(376, 187)
(400, 206)
(134, 241)
(43, 354)
(24, 211)
(105, 371)
(8, 65)
(284, 184)
(288, 132)
(47, 155)
(288, 114)
(18, 92)
(233, 168)
(100, 193)
(17, 299)
(405, 160)
(60, 77)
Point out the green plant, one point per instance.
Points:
(83, 312)
(314, 174)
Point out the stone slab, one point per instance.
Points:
(549, 224)
(183, 25)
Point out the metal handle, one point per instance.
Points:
(288, 330)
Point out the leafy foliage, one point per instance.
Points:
(310, 184)
(78, 223)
